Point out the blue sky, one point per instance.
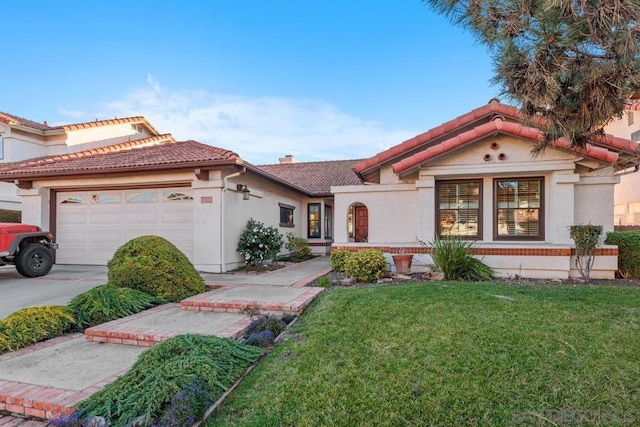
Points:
(321, 80)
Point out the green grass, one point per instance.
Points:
(451, 354)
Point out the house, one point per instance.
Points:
(473, 177)
(627, 193)
(197, 196)
(22, 139)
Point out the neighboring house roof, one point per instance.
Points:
(315, 178)
(10, 119)
(127, 156)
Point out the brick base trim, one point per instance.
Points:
(519, 251)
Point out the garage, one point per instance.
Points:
(91, 225)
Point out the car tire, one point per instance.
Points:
(34, 260)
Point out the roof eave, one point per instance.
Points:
(119, 170)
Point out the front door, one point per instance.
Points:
(362, 224)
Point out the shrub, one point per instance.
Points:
(452, 256)
(260, 339)
(153, 265)
(10, 216)
(165, 370)
(366, 265)
(109, 302)
(628, 252)
(323, 282)
(338, 259)
(187, 406)
(259, 243)
(34, 324)
(273, 324)
(586, 238)
(297, 247)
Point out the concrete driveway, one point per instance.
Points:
(56, 288)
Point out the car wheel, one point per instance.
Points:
(34, 260)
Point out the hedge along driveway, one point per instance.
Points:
(451, 354)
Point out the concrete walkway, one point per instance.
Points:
(53, 376)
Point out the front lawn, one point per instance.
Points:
(451, 354)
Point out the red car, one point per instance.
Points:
(28, 247)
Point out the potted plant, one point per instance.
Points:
(402, 260)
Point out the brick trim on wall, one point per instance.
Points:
(563, 252)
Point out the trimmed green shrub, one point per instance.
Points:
(145, 392)
(338, 259)
(367, 265)
(10, 216)
(34, 324)
(452, 256)
(259, 243)
(153, 265)
(628, 243)
(109, 302)
(586, 238)
(298, 247)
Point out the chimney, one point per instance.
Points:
(288, 159)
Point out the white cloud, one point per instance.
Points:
(259, 129)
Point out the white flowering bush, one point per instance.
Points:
(259, 243)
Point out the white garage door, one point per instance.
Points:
(91, 225)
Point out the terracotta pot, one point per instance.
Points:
(402, 263)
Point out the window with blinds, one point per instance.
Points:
(519, 210)
(459, 208)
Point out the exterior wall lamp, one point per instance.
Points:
(245, 191)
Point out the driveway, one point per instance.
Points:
(56, 288)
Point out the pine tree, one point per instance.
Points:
(571, 65)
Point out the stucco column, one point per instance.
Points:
(594, 199)
(208, 224)
(35, 207)
(560, 207)
(426, 186)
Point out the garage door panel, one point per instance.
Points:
(90, 233)
(98, 218)
(73, 218)
(147, 216)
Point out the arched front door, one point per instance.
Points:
(359, 223)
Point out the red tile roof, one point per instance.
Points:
(126, 156)
(495, 126)
(315, 178)
(10, 119)
(449, 128)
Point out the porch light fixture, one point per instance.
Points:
(245, 191)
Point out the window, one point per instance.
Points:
(313, 229)
(75, 200)
(1, 147)
(459, 208)
(328, 222)
(171, 196)
(286, 215)
(104, 198)
(519, 209)
(635, 136)
(142, 197)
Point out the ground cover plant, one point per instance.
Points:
(33, 324)
(109, 302)
(451, 354)
(188, 368)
